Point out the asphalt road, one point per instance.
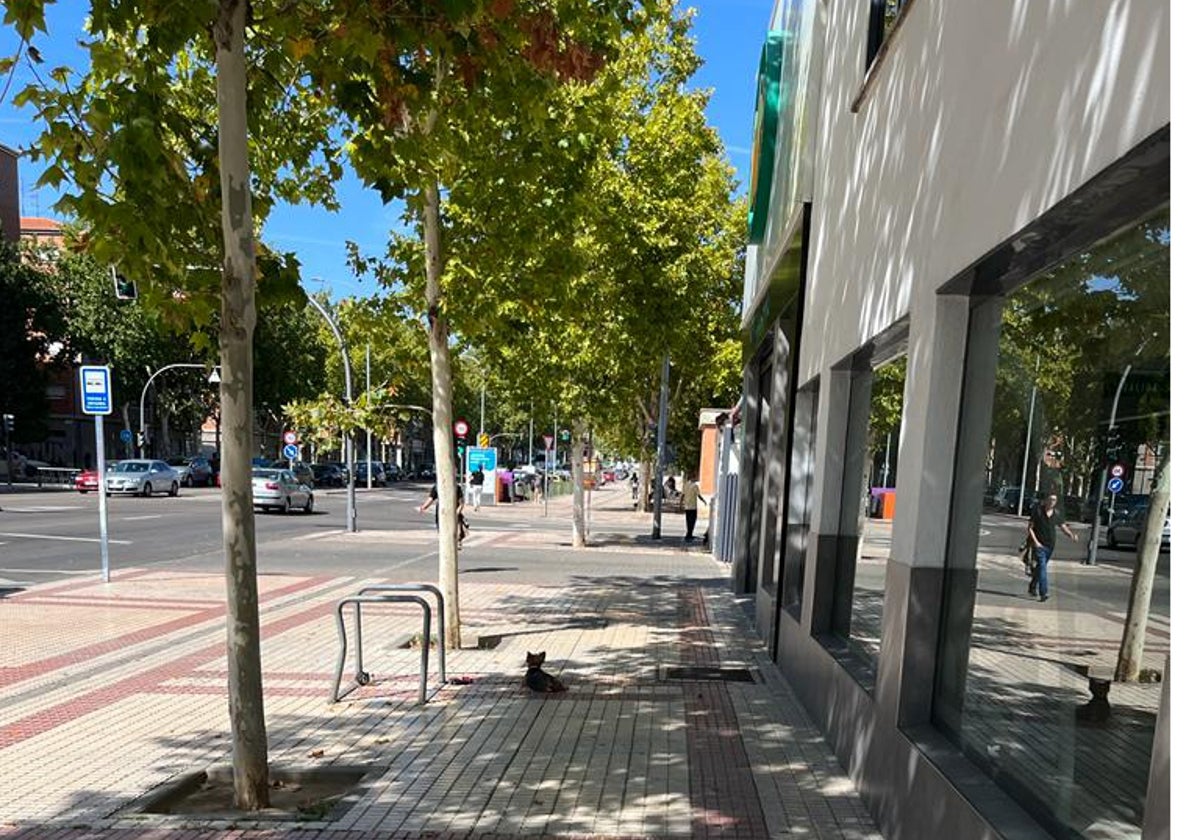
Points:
(46, 536)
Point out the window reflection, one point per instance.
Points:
(1058, 698)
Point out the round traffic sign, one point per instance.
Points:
(1115, 485)
(291, 452)
(1117, 471)
(461, 428)
(290, 437)
(126, 436)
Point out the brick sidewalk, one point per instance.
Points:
(110, 691)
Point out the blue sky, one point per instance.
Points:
(728, 37)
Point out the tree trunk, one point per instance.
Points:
(578, 525)
(443, 405)
(237, 393)
(1133, 639)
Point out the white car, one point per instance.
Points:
(278, 488)
(141, 476)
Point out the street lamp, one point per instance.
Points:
(351, 502)
(213, 378)
(1094, 536)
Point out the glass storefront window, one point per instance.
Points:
(800, 496)
(868, 503)
(1044, 678)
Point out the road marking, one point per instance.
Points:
(47, 571)
(64, 539)
(320, 535)
(43, 509)
(146, 516)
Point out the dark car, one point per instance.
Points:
(328, 475)
(302, 471)
(194, 470)
(391, 472)
(378, 478)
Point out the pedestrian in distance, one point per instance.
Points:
(476, 486)
(691, 495)
(1044, 521)
(432, 500)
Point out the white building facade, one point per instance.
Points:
(960, 284)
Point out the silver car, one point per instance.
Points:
(278, 488)
(142, 477)
(1127, 529)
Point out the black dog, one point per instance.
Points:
(537, 679)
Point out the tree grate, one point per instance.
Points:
(708, 673)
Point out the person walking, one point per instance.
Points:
(432, 500)
(476, 486)
(691, 495)
(1044, 521)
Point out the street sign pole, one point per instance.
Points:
(102, 492)
(95, 394)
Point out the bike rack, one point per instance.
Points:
(409, 587)
(362, 677)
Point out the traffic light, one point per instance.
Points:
(461, 449)
(8, 424)
(125, 288)
(141, 439)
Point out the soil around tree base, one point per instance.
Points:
(310, 793)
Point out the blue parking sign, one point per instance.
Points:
(95, 389)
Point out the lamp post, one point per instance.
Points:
(1094, 536)
(351, 501)
(370, 465)
(213, 378)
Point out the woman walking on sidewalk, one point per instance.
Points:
(691, 494)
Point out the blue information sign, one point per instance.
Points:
(291, 452)
(1115, 485)
(95, 388)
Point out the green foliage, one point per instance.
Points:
(1072, 334)
(132, 142)
(29, 318)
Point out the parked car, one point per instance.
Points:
(1127, 529)
(302, 471)
(328, 475)
(193, 470)
(1006, 499)
(18, 464)
(87, 480)
(278, 488)
(426, 474)
(391, 472)
(142, 476)
(378, 477)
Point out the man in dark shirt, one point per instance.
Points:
(1043, 522)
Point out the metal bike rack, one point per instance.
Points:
(411, 587)
(361, 676)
